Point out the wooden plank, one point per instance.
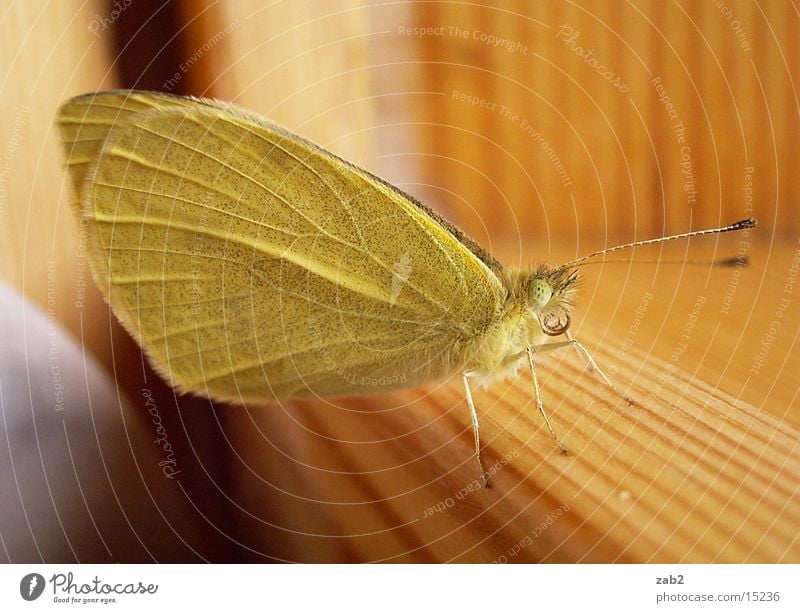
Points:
(99, 485)
(46, 54)
(705, 467)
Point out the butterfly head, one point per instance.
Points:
(551, 295)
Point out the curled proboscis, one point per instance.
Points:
(555, 323)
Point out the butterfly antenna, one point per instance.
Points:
(736, 261)
(743, 224)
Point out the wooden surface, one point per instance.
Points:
(525, 137)
(662, 484)
(39, 52)
(705, 467)
(112, 502)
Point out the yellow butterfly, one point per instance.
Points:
(253, 265)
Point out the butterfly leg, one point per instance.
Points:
(593, 365)
(590, 366)
(475, 430)
(581, 350)
(539, 403)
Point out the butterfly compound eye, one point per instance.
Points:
(540, 291)
(555, 324)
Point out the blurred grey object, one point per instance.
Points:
(80, 478)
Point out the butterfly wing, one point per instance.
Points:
(252, 264)
(86, 121)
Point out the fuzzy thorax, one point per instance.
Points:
(538, 305)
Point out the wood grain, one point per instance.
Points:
(703, 468)
(706, 468)
(39, 53)
(112, 502)
(483, 128)
(690, 473)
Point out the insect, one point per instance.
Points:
(252, 265)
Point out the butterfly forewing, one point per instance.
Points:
(251, 264)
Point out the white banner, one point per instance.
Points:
(486, 588)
